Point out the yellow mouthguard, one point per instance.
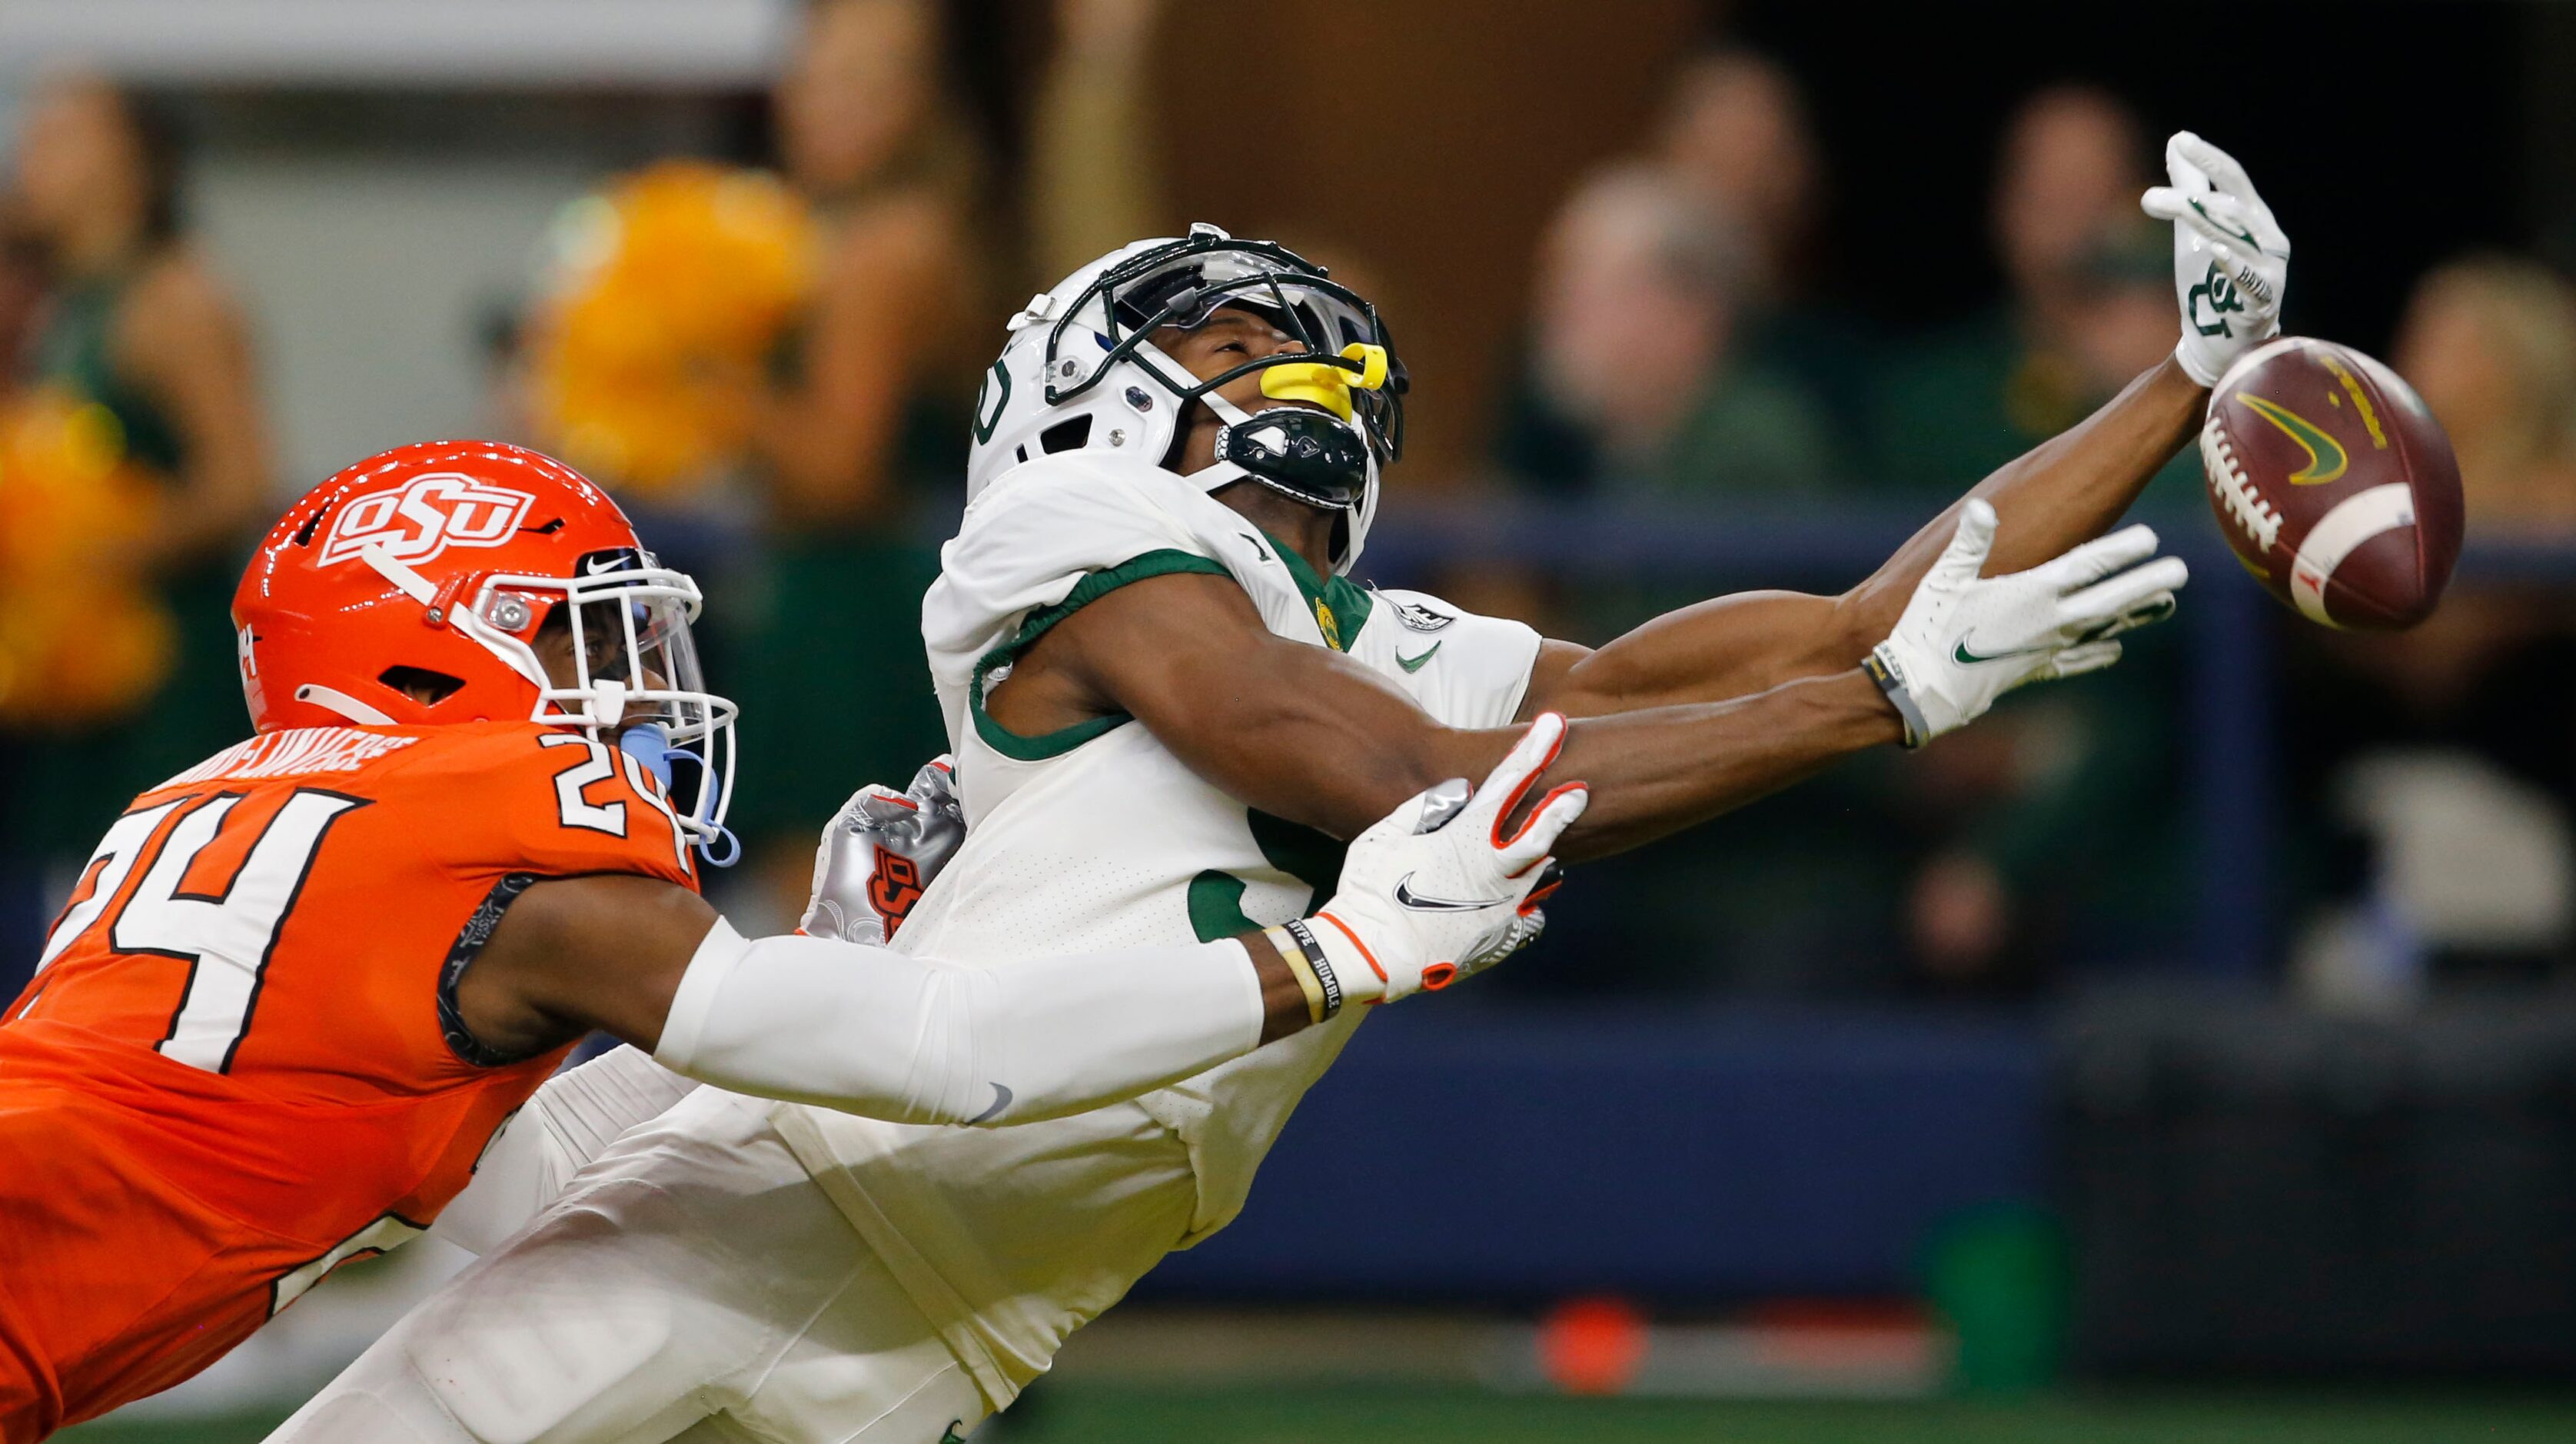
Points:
(1323, 384)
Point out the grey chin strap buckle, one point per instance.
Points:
(1443, 803)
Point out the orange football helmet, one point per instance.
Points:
(433, 568)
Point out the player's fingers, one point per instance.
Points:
(2104, 555)
(2211, 233)
(2268, 234)
(1551, 876)
(1965, 557)
(1406, 819)
(2185, 172)
(2125, 593)
(1511, 779)
(2226, 211)
(1530, 846)
(2221, 168)
(937, 779)
(2076, 661)
(2164, 203)
(878, 803)
(2145, 614)
(2231, 259)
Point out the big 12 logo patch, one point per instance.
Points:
(427, 516)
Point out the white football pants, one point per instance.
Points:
(693, 1284)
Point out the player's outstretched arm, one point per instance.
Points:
(1435, 890)
(1311, 736)
(2231, 262)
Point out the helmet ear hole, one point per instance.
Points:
(1068, 435)
(423, 685)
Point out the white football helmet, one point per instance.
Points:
(1079, 373)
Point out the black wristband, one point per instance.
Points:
(1323, 966)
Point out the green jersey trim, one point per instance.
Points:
(1091, 588)
(1341, 608)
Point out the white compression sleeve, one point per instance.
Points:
(576, 1114)
(868, 1030)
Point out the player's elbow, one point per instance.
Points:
(1377, 783)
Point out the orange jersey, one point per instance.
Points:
(239, 1064)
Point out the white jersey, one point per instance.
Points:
(1098, 837)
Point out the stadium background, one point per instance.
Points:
(2186, 1054)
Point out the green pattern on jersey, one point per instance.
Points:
(1090, 589)
(1216, 898)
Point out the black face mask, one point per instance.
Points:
(1318, 459)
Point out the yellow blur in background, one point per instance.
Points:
(80, 638)
(669, 293)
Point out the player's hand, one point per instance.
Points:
(1967, 639)
(2231, 259)
(1438, 890)
(880, 852)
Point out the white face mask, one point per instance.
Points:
(635, 670)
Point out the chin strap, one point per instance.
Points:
(1316, 456)
(332, 699)
(1317, 459)
(410, 583)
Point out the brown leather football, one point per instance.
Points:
(2333, 483)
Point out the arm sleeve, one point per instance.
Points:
(577, 1113)
(868, 1030)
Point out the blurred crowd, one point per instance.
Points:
(769, 360)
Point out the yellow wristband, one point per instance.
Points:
(1318, 965)
(1300, 969)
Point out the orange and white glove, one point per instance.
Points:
(1437, 891)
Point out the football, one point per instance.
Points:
(2333, 484)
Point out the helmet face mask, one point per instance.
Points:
(436, 583)
(1184, 283)
(1092, 378)
(622, 659)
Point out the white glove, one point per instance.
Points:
(1435, 892)
(1965, 640)
(880, 852)
(2231, 259)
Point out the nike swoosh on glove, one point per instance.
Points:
(1437, 890)
(1965, 640)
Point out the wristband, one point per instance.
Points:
(1892, 682)
(1300, 969)
(1311, 953)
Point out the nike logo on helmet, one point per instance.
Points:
(1405, 896)
(1001, 1100)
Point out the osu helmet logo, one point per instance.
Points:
(427, 516)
